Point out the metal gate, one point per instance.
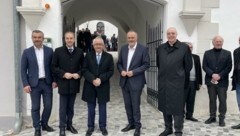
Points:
(153, 40)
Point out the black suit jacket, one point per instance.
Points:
(91, 70)
(198, 71)
(139, 64)
(236, 58)
(221, 66)
(64, 62)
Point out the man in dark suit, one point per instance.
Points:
(217, 63)
(66, 64)
(38, 81)
(236, 78)
(174, 62)
(97, 70)
(133, 61)
(195, 81)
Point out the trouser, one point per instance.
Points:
(44, 90)
(215, 91)
(190, 94)
(178, 122)
(66, 112)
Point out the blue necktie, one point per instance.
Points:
(98, 58)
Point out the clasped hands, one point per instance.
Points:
(127, 73)
(70, 75)
(97, 82)
(215, 78)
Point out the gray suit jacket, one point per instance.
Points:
(139, 64)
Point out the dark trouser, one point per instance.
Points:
(190, 94)
(102, 114)
(221, 92)
(46, 91)
(132, 100)
(66, 112)
(178, 122)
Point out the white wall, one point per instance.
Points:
(7, 78)
(228, 17)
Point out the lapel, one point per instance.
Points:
(44, 55)
(220, 56)
(102, 58)
(33, 54)
(125, 56)
(134, 55)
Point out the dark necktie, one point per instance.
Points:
(70, 50)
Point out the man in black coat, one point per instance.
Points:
(236, 78)
(217, 63)
(97, 70)
(194, 80)
(174, 62)
(66, 64)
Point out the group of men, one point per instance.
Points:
(179, 76)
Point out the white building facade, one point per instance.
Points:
(197, 21)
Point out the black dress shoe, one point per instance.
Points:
(104, 131)
(137, 132)
(210, 120)
(191, 119)
(47, 128)
(236, 127)
(89, 131)
(72, 129)
(221, 122)
(166, 132)
(62, 132)
(37, 133)
(128, 127)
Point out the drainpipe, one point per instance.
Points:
(17, 55)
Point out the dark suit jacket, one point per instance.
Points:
(64, 62)
(221, 66)
(236, 58)
(29, 66)
(91, 70)
(198, 71)
(139, 64)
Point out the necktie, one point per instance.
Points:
(98, 58)
(70, 50)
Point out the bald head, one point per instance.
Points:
(171, 35)
(217, 42)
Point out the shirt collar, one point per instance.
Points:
(99, 53)
(133, 48)
(38, 48)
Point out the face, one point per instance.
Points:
(37, 39)
(190, 46)
(218, 42)
(98, 45)
(171, 35)
(131, 38)
(69, 39)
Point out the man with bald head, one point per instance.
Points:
(174, 62)
(217, 63)
(132, 63)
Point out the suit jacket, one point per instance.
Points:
(221, 66)
(198, 71)
(91, 70)
(29, 66)
(236, 58)
(63, 62)
(139, 64)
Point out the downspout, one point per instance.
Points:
(17, 55)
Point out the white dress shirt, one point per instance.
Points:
(130, 54)
(40, 60)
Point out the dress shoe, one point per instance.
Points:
(62, 132)
(128, 127)
(221, 122)
(166, 132)
(89, 131)
(47, 128)
(104, 131)
(236, 127)
(72, 129)
(191, 119)
(210, 120)
(137, 132)
(37, 133)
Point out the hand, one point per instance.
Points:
(95, 83)
(123, 73)
(216, 77)
(75, 76)
(129, 73)
(27, 89)
(54, 85)
(67, 75)
(98, 81)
